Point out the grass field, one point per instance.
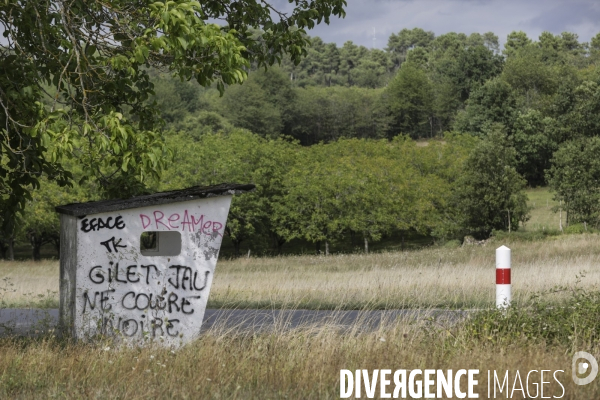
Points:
(305, 363)
(433, 277)
(542, 216)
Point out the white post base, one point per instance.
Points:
(503, 296)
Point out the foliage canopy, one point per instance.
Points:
(74, 78)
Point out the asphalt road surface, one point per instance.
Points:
(25, 322)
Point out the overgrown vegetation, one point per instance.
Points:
(305, 362)
(328, 143)
(571, 321)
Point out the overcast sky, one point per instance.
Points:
(466, 16)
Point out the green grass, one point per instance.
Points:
(542, 216)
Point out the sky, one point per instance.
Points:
(384, 17)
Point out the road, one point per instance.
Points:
(36, 321)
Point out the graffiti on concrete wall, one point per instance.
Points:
(136, 296)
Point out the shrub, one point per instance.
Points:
(573, 321)
(524, 236)
(452, 244)
(575, 228)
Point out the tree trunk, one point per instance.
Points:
(326, 248)
(280, 243)
(560, 217)
(37, 252)
(236, 247)
(36, 246)
(11, 248)
(366, 245)
(56, 242)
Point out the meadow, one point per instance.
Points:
(299, 364)
(437, 277)
(555, 296)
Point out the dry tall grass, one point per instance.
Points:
(437, 277)
(29, 284)
(298, 364)
(434, 277)
(305, 363)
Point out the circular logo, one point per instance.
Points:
(580, 367)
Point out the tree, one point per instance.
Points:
(490, 191)
(309, 208)
(595, 49)
(490, 40)
(319, 67)
(249, 106)
(535, 138)
(550, 45)
(529, 75)
(348, 186)
(237, 156)
(280, 94)
(475, 65)
(176, 99)
(374, 195)
(9, 229)
(329, 113)
(429, 207)
(457, 65)
(575, 179)
(515, 41)
(76, 74)
(578, 109)
(350, 58)
(408, 102)
(371, 70)
(407, 39)
(40, 223)
(494, 102)
(203, 122)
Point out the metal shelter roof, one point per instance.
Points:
(173, 196)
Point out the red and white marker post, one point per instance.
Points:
(503, 285)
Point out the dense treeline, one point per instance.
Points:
(330, 142)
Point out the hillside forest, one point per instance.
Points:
(435, 137)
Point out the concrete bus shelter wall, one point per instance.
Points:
(110, 287)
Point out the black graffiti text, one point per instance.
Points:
(111, 245)
(171, 303)
(104, 306)
(131, 327)
(129, 274)
(185, 274)
(96, 224)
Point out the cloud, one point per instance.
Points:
(577, 16)
(466, 16)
